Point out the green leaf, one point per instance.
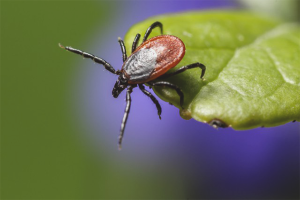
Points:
(253, 67)
(285, 9)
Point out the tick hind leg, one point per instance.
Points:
(141, 86)
(149, 30)
(182, 69)
(170, 85)
(91, 56)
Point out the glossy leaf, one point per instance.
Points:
(253, 67)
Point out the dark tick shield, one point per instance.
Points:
(152, 59)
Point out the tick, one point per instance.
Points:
(152, 59)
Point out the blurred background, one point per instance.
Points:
(60, 123)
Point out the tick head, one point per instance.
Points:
(120, 85)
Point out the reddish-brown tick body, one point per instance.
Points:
(153, 58)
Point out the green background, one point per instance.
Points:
(40, 157)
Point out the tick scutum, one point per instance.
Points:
(140, 65)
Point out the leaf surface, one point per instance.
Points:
(253, 67)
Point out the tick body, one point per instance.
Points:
(152, 59)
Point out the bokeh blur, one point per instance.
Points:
(60, 123)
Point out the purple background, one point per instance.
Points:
(208, 163)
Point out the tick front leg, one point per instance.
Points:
(127, 109)
(149, 30)
(141, 86)
(135, 42)
(91, 56)
(170, 85)
(182, 69)
(123, 49)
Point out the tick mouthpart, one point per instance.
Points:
(115, 95)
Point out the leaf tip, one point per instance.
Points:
(185, 114)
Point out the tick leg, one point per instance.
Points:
(154, 25)
(123, 49)
(135, 42)
(141, 86)
(182, 69)
(170, 85)
(127, 109)
(91, 56)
